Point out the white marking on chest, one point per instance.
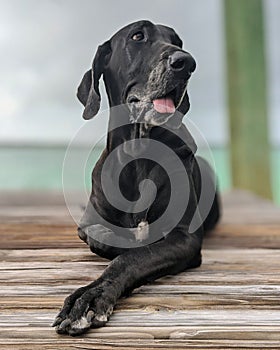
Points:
(141, 232)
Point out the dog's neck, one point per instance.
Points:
(121, 134)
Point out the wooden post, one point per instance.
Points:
(250, 151)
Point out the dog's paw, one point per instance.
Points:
(98, 236)
(87, 307)
(95, 232)
(99, 233)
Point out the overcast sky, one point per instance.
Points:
(47, 45)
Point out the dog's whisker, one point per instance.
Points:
(182, 96)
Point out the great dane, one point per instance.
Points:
(145, 71)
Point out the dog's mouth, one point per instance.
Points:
(171, 101)
(158, 108)
(164, 103)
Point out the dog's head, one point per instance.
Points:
(143, 66)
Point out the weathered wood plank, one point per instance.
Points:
(147, 344)
(246, 236)
(154, 289)
(256, 266)
(153, 302)
(87, 272)
(231, 301)
(151, 332)
(202, 318)
(49, 255)
(225, 236)
(38, 235)
(245, 216)
(213, 257)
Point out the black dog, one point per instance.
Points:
(145, 72)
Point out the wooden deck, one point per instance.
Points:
(231, 301)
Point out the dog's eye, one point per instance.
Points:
(139, 36)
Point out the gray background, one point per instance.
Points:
(47, 45)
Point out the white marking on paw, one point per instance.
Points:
(101, 318)
(81, 323)
(110, 311)
(90, 316)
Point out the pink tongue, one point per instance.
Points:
(164, 105)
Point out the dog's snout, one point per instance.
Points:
(181, 62)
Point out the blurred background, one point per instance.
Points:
(47, 45)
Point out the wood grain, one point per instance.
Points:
(230, 302)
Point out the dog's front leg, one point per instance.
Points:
(91, 306)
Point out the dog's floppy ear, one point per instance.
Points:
(88, 90)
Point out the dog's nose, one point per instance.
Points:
(181, 62)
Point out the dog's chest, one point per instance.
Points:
(140, 186)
